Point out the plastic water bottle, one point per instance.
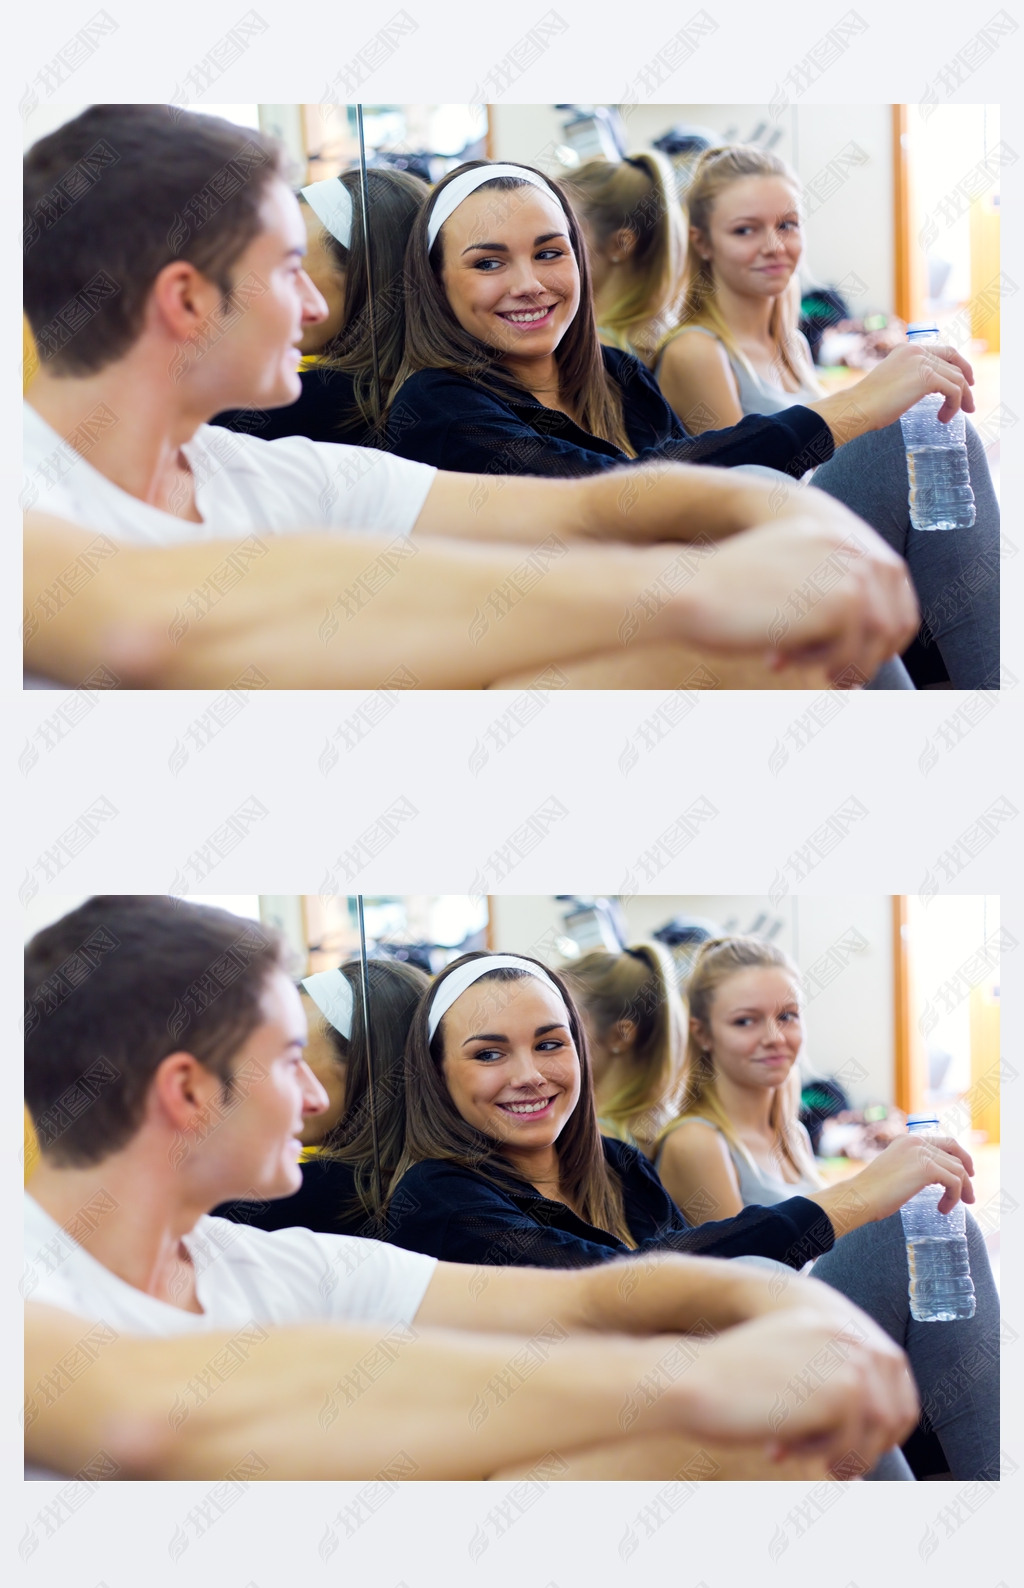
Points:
(940, 481)
(941, 1288)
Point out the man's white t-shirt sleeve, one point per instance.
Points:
(299, 1275)
(356, 488)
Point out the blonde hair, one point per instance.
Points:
(715, 963)
(638, 985)
(638, 194)
(716, 170)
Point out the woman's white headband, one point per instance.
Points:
(455, 985)
(331, 992)
(453, 195)
(331, 203)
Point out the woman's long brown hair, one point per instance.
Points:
(436, 1130)
(395, 991)
(434, 339)
(394, 199)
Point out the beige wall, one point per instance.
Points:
(843, 945)
(849, 233)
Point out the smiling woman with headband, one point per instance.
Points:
(496, 269)
(337, 402)
(503, 1152)
(338, 1193)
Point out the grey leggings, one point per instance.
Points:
(955, 572)
(955, 1365)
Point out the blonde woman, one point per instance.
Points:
(636, 245)
(636, 1032)
(737, 351)
(736, 348)
(738, 1143)
(737, 1139)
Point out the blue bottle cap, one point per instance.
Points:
(915, 1121)
(922, 328)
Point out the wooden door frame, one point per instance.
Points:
(910, 1075)
(901, 296)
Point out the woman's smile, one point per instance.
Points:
(533, 1108)
(528, 318)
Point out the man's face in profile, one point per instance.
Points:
(254, 349)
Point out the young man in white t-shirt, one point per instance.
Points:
(164, 284)
(164, 1074)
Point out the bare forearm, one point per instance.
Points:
(907, 1165)
(326, 611)
(302, 1402)
(693, 1295)
(661, 1294)
(678, 502)
(845, 417)
(640, 504)
(908, 373)
(844, 1207)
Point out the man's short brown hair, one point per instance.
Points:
(115, 195)
(116, 986)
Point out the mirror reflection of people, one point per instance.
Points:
(504, 1163)
(343, 365)
(737, 351)
(187, 1038)
(713, 1098)
(352, 1148)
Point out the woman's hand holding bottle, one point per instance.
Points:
(909, 373)
(897, 1174)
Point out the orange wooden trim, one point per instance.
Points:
(900, 1012)
(489, 134)
(489, 938)
(304, 917)
(902, 293)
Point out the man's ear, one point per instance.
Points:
(182, 298)
(184, 1090)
